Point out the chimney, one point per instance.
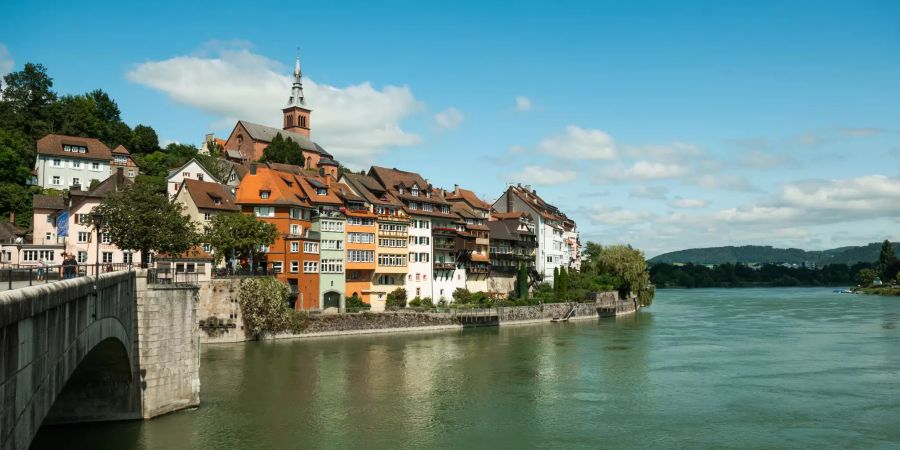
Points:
(509, 200)
(252, 168)
(12, 217)
(455, 189)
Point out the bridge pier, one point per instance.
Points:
(86, 350)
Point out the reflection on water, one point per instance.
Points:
(702, 368)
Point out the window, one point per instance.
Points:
(331, 266)
(423, 257)
(76, 181)
(57, 162)
(76, 164)
(395, 243)
(413, 205)
(400, 190)
(295, 266)
(83, 236)
(29, 255)
(392, 260)
(207, 248)
(334, 226)
(130, 173)
(105, 238)
(48, 236)
(361, 256)
(240, 139)
(303, 121)
(95, 166)
(106, 257)
(56, 181)
(264, 194)
(427, 207)
(445, 209)
(296, 213)
(121, 159)
(264, 211)
(295, 247)
(361, 221)
(310, 247)
(82, 257)
(231, 176)
(361, 238)
(200, 176)
(128, 257)
(412, 258)
(207, 216)
(321, 191)
(186, 174)
(310, 266)
(277, 267)
(391, 228)
(332, 244)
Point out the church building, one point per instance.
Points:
(251, 139)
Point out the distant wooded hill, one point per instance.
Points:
(749, 254)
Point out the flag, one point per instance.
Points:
(62, 224)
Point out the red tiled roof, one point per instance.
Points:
(208, 195)
(469, 197)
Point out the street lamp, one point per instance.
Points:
(98, 222)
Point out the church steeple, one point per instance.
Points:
(297, 89)
(296, 114)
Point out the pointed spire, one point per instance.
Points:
(297, 89)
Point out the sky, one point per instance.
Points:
(664, 125)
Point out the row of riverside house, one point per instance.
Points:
(365, 234)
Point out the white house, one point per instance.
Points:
(190, 170)
(66, 161)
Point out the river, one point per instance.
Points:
(711, 368)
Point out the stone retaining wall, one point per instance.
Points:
(545, 312)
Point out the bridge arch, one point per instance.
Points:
(58, 343)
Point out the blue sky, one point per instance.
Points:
(662, 124)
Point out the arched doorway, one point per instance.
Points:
(332, 300)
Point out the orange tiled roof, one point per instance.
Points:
(283, 189)
(469, 197)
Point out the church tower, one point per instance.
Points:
(296, 114)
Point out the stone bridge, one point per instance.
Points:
(86, 349)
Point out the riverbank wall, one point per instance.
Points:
(220, 317)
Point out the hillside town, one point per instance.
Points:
(341, 233)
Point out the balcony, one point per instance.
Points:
(447, 246)
(478, 269)
(441, 265)
(482, 241)
(443, 231)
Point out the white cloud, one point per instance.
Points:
(675, 152)
(862, 132)
(354, 122)
(449, 118)
(579, 143)
(724, 182)
(618, 216)
(647, 170)
(651, 192)
(517, 150)
(541, 175)
(523, 103)
(6, 61)
(688, 203)
(764, 160)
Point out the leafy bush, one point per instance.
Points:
(297, 321)
(427, 302)
(396, 299)
(356, 303)
(462, 296)
(416, 302)
(264, 305)
(442, 302)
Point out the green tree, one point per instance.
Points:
(396, 299)
(95, 115)
(155, 164)
(140, 218)
(885, 258)
(264, 305)
(563, 284)
(144, 140)
(866, 277)
(522, 283)
(238, 233)
(283, 150)
(16, 156)
(556, 281)
(630, 267)
(27, 101)
(17, 198)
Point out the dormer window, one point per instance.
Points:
(445, 209)
(217, 200)
(264, 194)
(400, 190)
(321, 191)
(415, 191)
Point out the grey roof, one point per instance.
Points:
(266, 134)
(327, 161)
(236, 154)
(40, 201)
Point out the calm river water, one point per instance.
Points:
(733, 368)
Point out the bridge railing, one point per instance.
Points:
(15, 276)
(172, 277)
